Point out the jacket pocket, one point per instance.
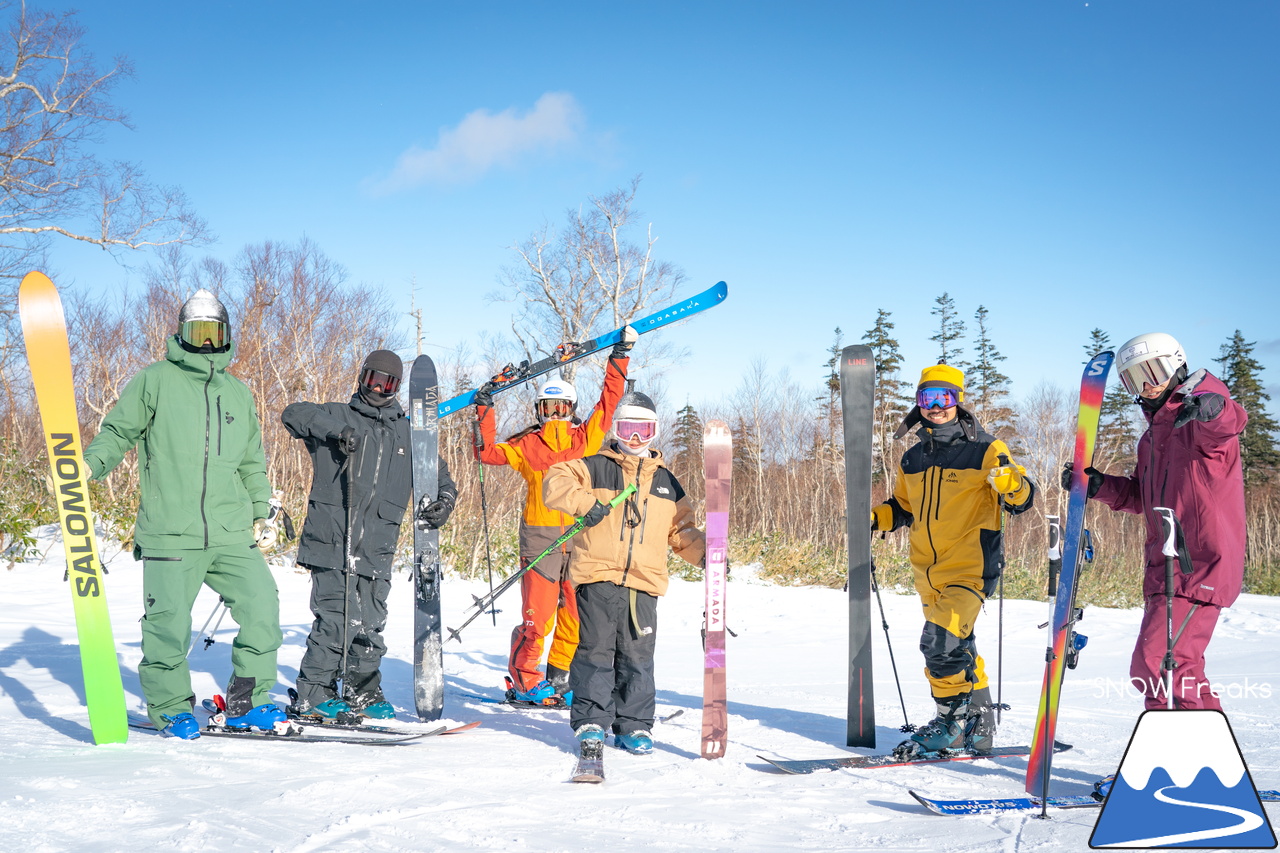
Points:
(326, 523)
(992, 559)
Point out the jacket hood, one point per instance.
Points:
(390, 412)
(611, 450)
(198, 361)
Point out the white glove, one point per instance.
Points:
(264, 533)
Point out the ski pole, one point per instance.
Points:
(484, 603)
(484, 513)
(1170, 551)
(208, 640)
(347, 566)
(875, 587)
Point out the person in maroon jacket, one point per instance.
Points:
(1189, 460)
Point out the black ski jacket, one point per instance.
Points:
(376, 482)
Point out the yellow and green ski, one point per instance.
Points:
(44, 331)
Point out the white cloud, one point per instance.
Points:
(484, 140)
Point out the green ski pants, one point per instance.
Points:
(170, 582)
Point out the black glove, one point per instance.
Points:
(1094, 475)
(1199, 407)
(595, 515)
(433, 515)
(348, 443)
(484, 396)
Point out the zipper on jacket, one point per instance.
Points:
(644, 517)
(219, 425)
(204, 486)
(632, 540)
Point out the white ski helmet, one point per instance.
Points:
(557, 400)
(636, 416)
(203, 323)
(1150, 359)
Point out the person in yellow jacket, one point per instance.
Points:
(548, 603)
(950, 489)
(619, 570)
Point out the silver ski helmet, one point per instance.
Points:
(557, 400)
(635, 420)
(1151, 359)
(203, 325)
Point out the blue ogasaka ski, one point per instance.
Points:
(428, 656)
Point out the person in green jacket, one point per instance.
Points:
(204, 500)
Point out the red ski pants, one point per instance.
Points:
(547, 605)
(1191, 690)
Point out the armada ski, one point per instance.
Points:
(873, 762)
(44, 332)
(428, 656)
(717, 464)
(1062, 648)
(513, 375)
(857, 393)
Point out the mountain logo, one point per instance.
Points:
(1183, 783)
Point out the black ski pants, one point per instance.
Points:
(612, 671)
(366, 615)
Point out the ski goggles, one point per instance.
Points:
(937, 398)
(638, 430)
(377, 380)
(1154, 372)
(561, 409)
(199, 332)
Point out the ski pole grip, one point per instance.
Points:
(622, 496)
(1170, 546)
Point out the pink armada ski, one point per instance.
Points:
(717, 462)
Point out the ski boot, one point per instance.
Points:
(541, 693)
(380, 711)
(264, 718)
(182, 726)
(1102, 787)
(559, 681)
(639, 742)
(945, 732)
(330, 710)
(590, 741)
(980, 726)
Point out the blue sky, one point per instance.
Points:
(1066, 164)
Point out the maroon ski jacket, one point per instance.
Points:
(1195, 469)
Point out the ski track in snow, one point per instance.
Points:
(505, 786)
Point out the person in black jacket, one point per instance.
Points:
(361, 484)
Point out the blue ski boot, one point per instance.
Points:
(944, 732)
(263, 717)
(182, 726)
(380, 711)
(538, 694)
(639, 742)
(589, 732)
(1102, 787)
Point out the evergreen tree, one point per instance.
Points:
(829, 402)
(987, 387)
(1118, 421)
(1240, 371)
(950, 332)
(892, 397)
(686, 447)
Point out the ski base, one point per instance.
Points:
(590, 767)
(1019, 804)
(870, 762)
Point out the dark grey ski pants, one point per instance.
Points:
(612, 672)
(367, 616)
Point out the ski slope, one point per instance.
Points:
(504, 786)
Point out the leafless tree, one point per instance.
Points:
(589, 278)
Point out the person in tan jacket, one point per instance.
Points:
(619, 569)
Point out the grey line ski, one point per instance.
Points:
(857, 402)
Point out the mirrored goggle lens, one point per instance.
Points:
(937, 398)
(199, 332)
(642, 430)
(377, 380)
(1153, 372)
(555, 408)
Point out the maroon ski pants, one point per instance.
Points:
(1191, 690)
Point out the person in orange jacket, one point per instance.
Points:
(548, 604)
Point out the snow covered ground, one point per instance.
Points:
(504, 786)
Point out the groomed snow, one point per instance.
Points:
(504, 786)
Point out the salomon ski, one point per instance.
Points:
(1062, 642)
(428, 657)
(513, 374)
(44, 331)
(857, 392)
(717, 463)
(872, 762)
